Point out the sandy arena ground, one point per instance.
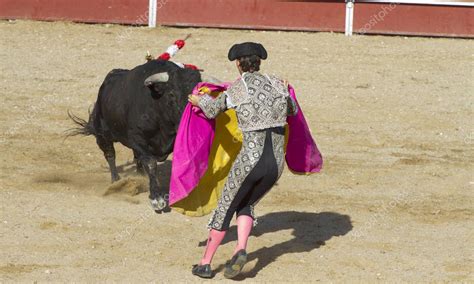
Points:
(393, 117)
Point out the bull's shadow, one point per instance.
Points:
(310, 231)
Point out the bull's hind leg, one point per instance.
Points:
(158, 201)
(109, 153)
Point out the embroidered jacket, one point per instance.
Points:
(260, 101)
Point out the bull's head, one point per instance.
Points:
(162, 77)
(154, 80)
(158, 84)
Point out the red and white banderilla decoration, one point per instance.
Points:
(171, 51)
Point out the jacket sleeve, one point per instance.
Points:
(292, 108)
(213, 106)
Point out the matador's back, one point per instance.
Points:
(261, 101)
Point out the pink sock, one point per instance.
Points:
(213, 242)
(244, 226)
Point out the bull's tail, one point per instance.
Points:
(84, 128)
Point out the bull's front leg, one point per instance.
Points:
(138, 163)
(157, 200)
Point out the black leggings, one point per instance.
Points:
(259, 181)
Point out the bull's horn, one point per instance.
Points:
(210, 79)
(162, 77)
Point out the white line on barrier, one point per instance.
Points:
(349, 17)
(152, 13)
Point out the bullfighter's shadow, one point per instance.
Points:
(310, 231)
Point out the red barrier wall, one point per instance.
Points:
(90, 11)
(256, 14)
(414, 19)
(260, 14)
(407, 19)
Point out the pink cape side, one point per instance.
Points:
(302, 154)
(191, 151)
(191, 148)
(194, 141)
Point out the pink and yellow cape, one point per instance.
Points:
(205, 149)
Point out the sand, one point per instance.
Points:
(393, 117)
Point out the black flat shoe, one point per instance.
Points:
(235, 265)
(203, 271)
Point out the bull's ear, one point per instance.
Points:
(162, 77)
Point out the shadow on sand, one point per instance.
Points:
(310, 231)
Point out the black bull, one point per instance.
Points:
(140, 108)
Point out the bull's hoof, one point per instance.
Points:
(115, 178)
(158, 204)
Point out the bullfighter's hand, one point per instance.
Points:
(194, 99)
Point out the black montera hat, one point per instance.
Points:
(247, 49)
